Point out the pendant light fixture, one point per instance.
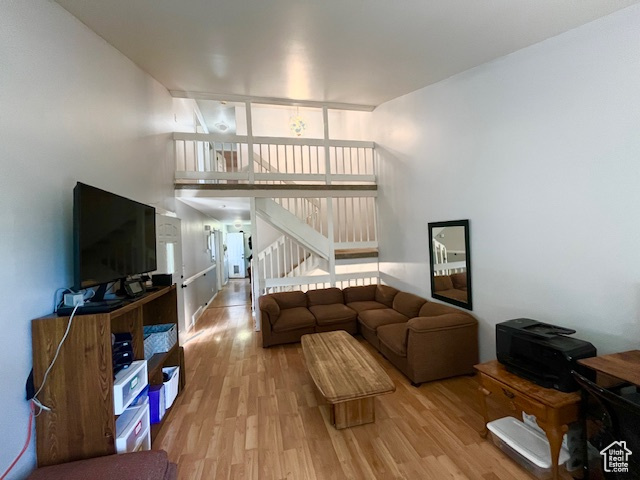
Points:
(297, 124)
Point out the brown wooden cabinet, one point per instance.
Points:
(79, 389)
(554, 410)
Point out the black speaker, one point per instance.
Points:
(162, 280)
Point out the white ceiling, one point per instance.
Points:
(351, 51)
(219, 118)
(226, 210)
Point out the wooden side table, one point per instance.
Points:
(554, 410)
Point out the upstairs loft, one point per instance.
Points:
(212, 159)
(258, 146)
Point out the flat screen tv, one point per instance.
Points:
(114, 237)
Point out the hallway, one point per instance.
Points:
(249, 412)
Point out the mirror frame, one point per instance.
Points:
(453, 223)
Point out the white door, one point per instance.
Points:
(235, 249)
(169, 253)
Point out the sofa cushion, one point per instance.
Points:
(153, 464)
(408, 304)
(325, 296)
(459, 280)
(330, 314)
(442, 282)
(290, 299)
(385, 295)
(360, 294)
(431, 309)
(294, 318)
(394, 337)
(362, 306)
(441, 322)
(372, 319)
(460, 295)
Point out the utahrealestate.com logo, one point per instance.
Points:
(616, 457)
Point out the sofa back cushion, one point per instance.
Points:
(408, 304)
(459, 280)
(442, 282)
(432, 309)
(325, 296)
(385, 295)
(366, 293)
(290, 299)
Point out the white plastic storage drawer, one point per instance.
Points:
(171, 385)
(128, 385)
(133, 430)
(525, 445)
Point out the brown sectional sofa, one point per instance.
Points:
(452, 286)
(148, 465)
(424, 340)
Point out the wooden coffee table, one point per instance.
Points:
(346, 375)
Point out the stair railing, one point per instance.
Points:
(285, 258)
(441, 264)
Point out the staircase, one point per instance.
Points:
(325, 242)
(291, 226)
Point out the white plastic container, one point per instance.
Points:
(171, 386)
(128, 385)
(525, 445)
(133, 430)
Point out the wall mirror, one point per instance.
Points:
(450, 262)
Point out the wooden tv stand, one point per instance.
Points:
(79, 388)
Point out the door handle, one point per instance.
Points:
(507, 393)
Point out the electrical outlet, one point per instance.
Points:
(73, 299)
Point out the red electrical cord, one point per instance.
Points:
(26, 444)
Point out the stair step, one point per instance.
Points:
(351, 253)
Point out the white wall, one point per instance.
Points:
(349, 125)
(196, 258)
(266, 234)
(73, 108)
(273, 121)
(541, 151)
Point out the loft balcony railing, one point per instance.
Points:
(233, 159)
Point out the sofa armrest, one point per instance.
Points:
(441, 346)
(269, 307)
(441, 322)
(148, 465)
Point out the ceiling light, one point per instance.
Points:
(223, 127)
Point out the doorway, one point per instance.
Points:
(235, 250)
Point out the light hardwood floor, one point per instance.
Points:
(253, 413)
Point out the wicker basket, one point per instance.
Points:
(159, 338)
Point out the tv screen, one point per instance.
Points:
(114, 237)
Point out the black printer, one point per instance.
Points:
(541, 352)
